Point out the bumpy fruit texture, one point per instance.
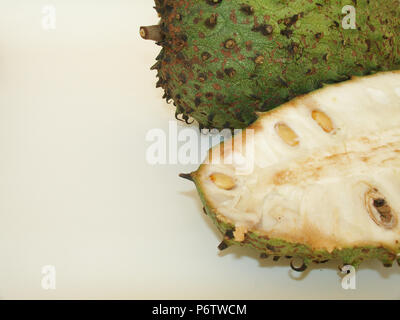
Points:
(225, 60)
(326, 178)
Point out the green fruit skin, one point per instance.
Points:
(280, 49)
(280, 248)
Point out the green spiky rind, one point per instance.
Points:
(280, 248)
(301, 44)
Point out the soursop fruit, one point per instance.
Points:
(222, 61)
(324, 181)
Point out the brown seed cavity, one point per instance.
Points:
(380, 210)
(323, 121)
(287, 134)
(223, 181)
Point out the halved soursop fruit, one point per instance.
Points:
(325, 182)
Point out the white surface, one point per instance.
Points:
(76, 191)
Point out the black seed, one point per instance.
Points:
(379, 203)
(276, 258)
(264, 256)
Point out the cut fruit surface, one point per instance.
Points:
(325, 182)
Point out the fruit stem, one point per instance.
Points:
(151, 33)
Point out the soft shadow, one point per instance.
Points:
(241, 252)
(377, 266)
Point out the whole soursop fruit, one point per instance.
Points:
(224, 60)
(326, 177)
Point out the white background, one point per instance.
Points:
(76, 191)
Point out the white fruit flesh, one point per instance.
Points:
(336, 185)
